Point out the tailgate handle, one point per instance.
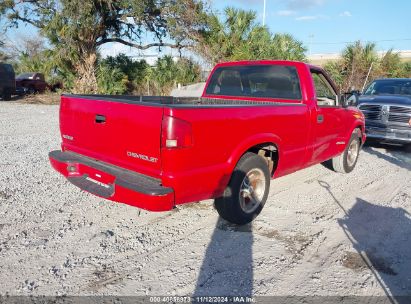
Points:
(100, 118)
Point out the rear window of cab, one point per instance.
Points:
(264, 81)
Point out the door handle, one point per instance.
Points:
(100, 119)
(320, 118)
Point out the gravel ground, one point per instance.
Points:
(321, 233)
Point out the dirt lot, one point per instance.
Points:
(320, 233)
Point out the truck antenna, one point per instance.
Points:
(368, 74)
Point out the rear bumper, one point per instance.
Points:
(112, 182)
(393, 135)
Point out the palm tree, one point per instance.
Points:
(357, 60)
(239, 37)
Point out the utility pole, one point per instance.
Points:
(311, 36)
(264, 13)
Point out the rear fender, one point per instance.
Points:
(250, 142)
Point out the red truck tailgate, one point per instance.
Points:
(122, 133)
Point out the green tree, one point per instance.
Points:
(390, 65)
(110, 80)
(141, 78)
(187, 71)
(77, 28)
(237, 36)
(31, 55)
(407, 69)
(133, 69)
(360, 60)
(4, 56)
(167, 73)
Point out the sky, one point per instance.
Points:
(324, 26)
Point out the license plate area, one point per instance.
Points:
(91, 180)
(88, 184)
(96, 176)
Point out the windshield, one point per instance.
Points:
(389, 87)
(25, 76)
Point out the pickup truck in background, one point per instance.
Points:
(256, 120)
(32, 82)
(35, 83)
(386, 104)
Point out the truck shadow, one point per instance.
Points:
(396, 155)
(381, 237)
(227, 268)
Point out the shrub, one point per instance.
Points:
(110, 80)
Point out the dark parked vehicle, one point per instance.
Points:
(32, 82)
(386, 105)
(7, 81)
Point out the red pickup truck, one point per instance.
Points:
(256, 120)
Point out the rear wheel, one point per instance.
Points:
(247, 191)
(345, 162)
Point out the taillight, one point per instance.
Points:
(176, 133)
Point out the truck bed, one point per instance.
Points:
(177, 101)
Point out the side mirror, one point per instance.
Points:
(349, 99)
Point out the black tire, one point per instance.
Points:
(344, 163)
(6, 94)
(240, 203)
(408, 148)
(31, 90)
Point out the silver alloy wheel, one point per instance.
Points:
(352, 153)
(252, 190)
